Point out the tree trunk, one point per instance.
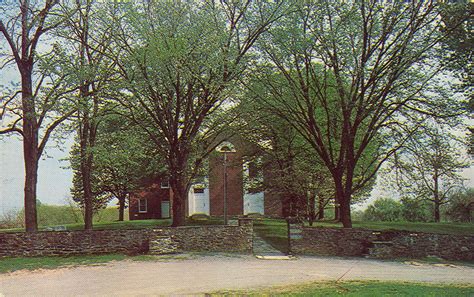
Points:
(121, 207)
(346, 214)
(87, 141)
(337, 212)
(179, 188)
(178, 202)
(31, 180)
(87, 188)
(437, 216)
(320, 207)
(30, 149)
(312, 208)
(343, 199)
(437, 201)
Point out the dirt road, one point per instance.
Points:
(200, 274)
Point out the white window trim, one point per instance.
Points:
(139, 205)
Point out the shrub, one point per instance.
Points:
(199, 217)
(460, 207)
(416, 210)
(383, 209)
(11, 219)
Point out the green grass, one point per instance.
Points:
(357, 288)
(32, 263)
(273, 231)
(136, 224)
(13, 264)
(442, 228)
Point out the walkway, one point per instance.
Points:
(263, 250)
(201, 274)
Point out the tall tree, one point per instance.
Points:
(81, 56)
(122, 163)
(298, 174)
(179, 61)
(428, 167)
(349, 78)
(36, 114)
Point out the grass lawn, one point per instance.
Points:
(442, 228)
(135, 224)
(358, 288)
(33, 263)
(274, 231)
(13, 264)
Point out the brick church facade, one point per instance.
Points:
(154, 202)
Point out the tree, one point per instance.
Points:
(179, 62)
(121, 165)
(298, 175)
(349, 79)
(428, 165)
(37, 113)
(81, 56)
(293, 173)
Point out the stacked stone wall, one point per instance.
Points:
(210, 239)
(65, 243)
(382, 244)
(157, 241)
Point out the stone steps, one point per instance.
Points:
(379, 248)
(263, 250)
(161, 245)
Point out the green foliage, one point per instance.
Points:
(428, 167)
(416, 210)
(407, 209)
(460, 207)
(357, 288)
(383, 209)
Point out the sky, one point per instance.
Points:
(54, 181)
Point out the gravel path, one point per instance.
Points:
(200, 274)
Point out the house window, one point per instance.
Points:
(142, 205)
(165, 183)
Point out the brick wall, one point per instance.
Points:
(235, 202)
(382, 244)
(159, 241)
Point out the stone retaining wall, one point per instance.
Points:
(157, 241)
(66, 243)
(382, 244)
(205, 239)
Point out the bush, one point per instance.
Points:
(416, 210)
(460, 207)
(199, 217)
(11, 219)
(383, 209)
